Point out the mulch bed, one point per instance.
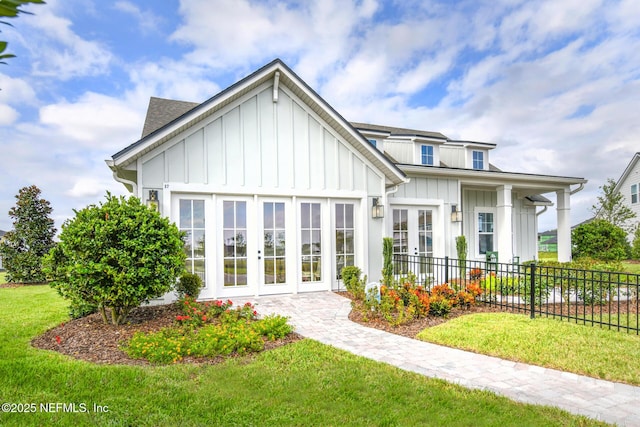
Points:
(411, 329)
(89, 339)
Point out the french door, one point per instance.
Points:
(412, 231)
(276, 250)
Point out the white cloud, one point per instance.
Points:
(171, 79)
(95, 119)
(87, 187)
(148, 22)
(58, 51)
(8, 115)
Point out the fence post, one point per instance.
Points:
(446, 269)
(533, 289)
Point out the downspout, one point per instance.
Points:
(580, 187)
(276, 80)
(544, 209)
(134, 186)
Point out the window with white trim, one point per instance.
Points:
(485, 232)
(478, 160)
(426, 155)
(192, 225)
(345, 237)
(634, 193)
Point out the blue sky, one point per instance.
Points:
(555, 84)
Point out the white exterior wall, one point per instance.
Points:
(453, 157)
(437, 194)
(633, 177)
(524, 225)
(401, 151)
(258, 148)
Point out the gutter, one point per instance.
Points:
(580, 187)
(127, 183)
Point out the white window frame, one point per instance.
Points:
(476, 212)
(425, 156)
(634, 194)
(480, 160)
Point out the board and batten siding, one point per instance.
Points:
(429, 188)
(633, 177)
(259, 146)
(523, 221)
(266, 149)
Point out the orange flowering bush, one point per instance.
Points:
(475, 274)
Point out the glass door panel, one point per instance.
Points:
(400, 238)
(345, 236)
(191, 222)
(311, 242)
(235, 243)
(274, 231)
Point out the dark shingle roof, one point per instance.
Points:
(397, 131)
(161, 111)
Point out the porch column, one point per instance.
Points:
(504, 224)
(563, 208)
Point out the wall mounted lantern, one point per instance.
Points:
(152, 201)
(456, 215)
(377, 210)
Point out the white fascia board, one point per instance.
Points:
(188, 120)
(627, 171)
(488, 178)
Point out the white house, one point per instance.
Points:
(629, 186)
(277, 191)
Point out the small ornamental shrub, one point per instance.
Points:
(116, 256)
(475, 274)
(351, 280)
(198, 334)
(387, 255)
(273, 327)
(189, 285)
(440, 305)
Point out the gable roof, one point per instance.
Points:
(394, 131)
(162, 111)
(275, 71)
(627, 171)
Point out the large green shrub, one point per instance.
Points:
(116, 256)
(635, 245)
(31, 238)
(601, 240)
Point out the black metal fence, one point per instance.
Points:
(598, 298)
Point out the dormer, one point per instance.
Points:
(405, 146)
(467, 154)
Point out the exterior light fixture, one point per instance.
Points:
(152, 201)
(456, 215)
(377, 210)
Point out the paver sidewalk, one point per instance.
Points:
(323, 316)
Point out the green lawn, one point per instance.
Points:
(631, 267)
(585, 350)
(306, 383)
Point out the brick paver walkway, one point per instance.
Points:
(323, 316)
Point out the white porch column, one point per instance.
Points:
(563, 208)
(504, 224)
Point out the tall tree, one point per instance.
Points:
(31, 238)
(611, 207)
(11, 9)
